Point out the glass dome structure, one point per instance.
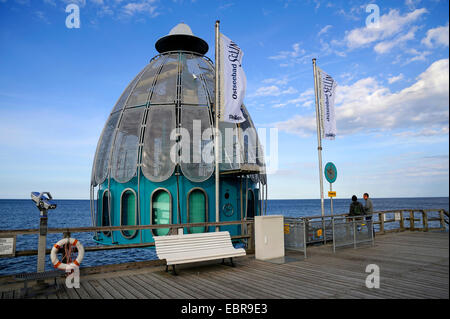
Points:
(162, 126)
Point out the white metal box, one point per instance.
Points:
(269, 237)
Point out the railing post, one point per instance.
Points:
(411, 220)
(381, 219)
(441, 214)
(304, 238)
(425, 220)
(354, 232)
(402, 222)
(42, 241)
(251, 239)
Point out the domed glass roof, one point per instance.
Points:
(167, 103)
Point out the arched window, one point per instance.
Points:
(128, 211)
(250, 204)
(105, 217)
(161, 210)
(197, 212)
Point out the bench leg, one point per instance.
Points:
(231, 262)
(174, 271)
(167, 268)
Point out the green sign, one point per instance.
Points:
(330, 172)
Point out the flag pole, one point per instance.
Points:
(319, 137)
(216, 114)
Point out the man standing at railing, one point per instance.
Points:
(368, 208)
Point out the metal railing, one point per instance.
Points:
(173, 230)
(343, 230)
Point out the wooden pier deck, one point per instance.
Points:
(412, 265)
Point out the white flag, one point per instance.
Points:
(232, 81)
(327, 90)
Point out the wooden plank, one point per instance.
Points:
(131, 286)
(100, 289)
(174, 291)
(116, 286)
(115, 293)
(228, 292)
(143, 286)
(91, 290)
(151, 285)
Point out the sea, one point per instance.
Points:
(23, 214)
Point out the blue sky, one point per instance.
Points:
(58, 85)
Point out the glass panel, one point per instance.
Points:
(208, 73)
(124, 160)
(128, 211)
(105, 213)
(104, 148)
(123, 98)
(197, 210)
(231, 153)
(193, 91)
(139, 96)
(157, 165)
(249, 141)
(166, 84)
(197, 164)
(251, 205)
(161, 212)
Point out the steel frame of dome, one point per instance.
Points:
(178, 180)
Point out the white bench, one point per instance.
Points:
(189, 248)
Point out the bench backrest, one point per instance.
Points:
(171, 244)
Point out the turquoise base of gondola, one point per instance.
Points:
(230, 205)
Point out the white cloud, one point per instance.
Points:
(367, 106)
(394, 79)
(305, 99)
(390, 25)
(145, 7)
(386, 46)
(283, 55)
(417, 56)
(41, 16)
(272, 90)
(412, 3)
(50, 2)
(324, 29)
(436, 36)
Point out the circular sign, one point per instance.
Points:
(228, 210)
(330, 172)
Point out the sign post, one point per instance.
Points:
(331, 175)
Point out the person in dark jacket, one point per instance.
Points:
(356, 208)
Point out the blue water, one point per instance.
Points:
(21, 214)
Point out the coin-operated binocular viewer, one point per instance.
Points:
(44, 202)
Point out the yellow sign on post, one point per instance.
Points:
(286, 229)
(331, 194)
